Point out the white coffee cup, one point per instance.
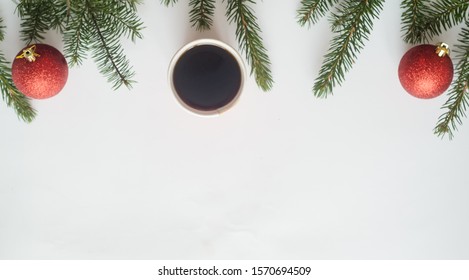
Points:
(198, 43)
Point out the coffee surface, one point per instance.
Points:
(207, 77)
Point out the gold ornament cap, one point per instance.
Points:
(29, 54)
(442, 49)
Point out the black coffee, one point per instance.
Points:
(207, 77)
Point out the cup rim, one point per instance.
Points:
(212, 42)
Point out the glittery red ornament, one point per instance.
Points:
(39, 71)
(426, 71)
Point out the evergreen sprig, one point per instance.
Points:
(352, 23)
(250, 41)
(108, 21)
(94, 26)
(201, 14)
(458, 101)
(423, 19)
(11, 96)
(414, 18)
(444, 14)
(169, 2)
(311, 11)
(39, 16)
(77, 37)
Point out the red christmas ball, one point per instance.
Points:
(39, 71)
(426, 71)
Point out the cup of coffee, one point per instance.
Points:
(207, 77)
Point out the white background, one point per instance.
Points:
(130, 175)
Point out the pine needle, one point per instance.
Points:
(250, 41)
(311, 11)
(444, 14)
(38, 16)
(352, 24)
(201, 14)
(414, 18)
(77, 35)
(108, 21)
(169, 2)
(422, 20)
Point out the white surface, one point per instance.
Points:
(125, 175)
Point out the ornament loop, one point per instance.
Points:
(29, 54)
(442, 49)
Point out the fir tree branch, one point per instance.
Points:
(250, 41)
(201, 14)
(105, 45)
(445, 14)
(414, 18)
(77, 35)
(134, 3)
(60, 14)
(458, 101)
(35, 20)
(126, 21)
(169, 2)
(38, 16)
(353, 24)
(11, 96)
(311, 11)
